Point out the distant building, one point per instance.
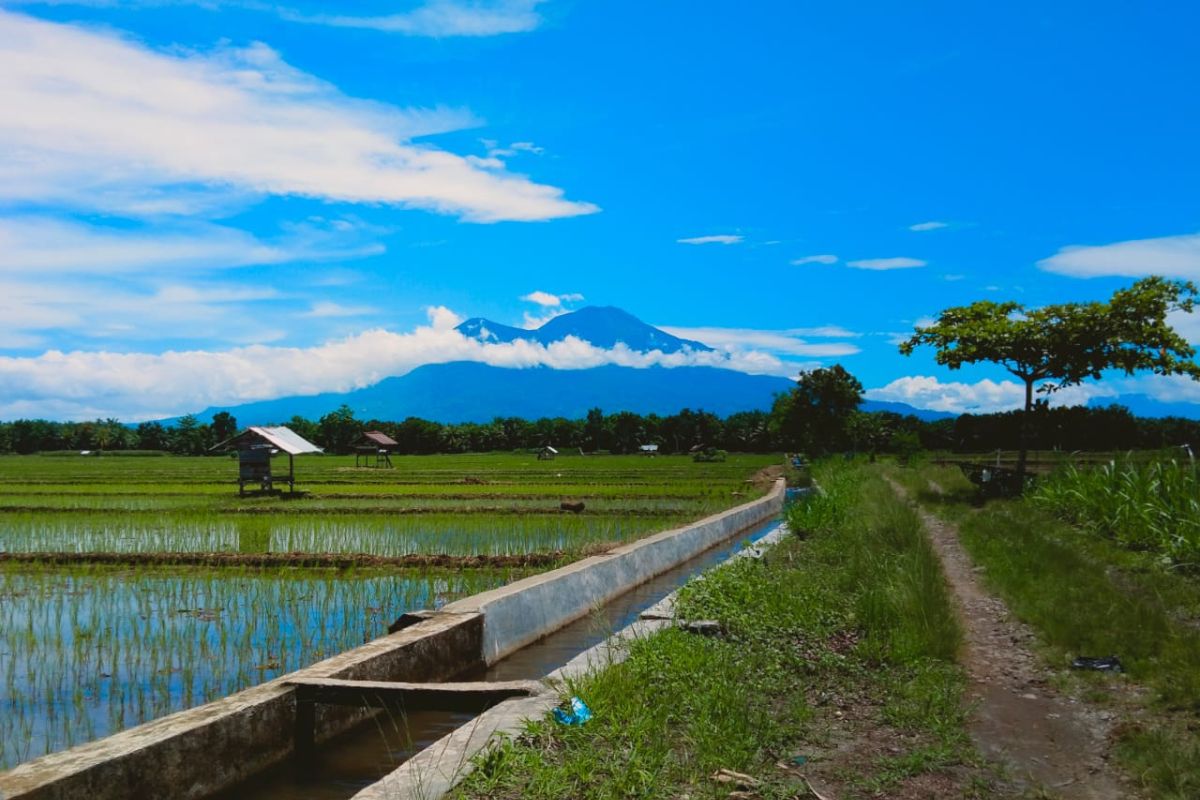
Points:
(648, 449)
(547, 453)
(256, 445)
(374, 449)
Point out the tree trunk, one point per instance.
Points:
(1026, 424)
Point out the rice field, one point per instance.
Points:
(88, 649)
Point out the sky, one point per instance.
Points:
(208, 202)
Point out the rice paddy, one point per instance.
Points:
(88, 649)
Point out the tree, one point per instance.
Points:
(339, 429)
(813, 416)
(1062, 345)
(224, 426)
(869, 432)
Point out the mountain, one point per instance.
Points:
(905, 410)
(1141, 405)
(603, 326)
(468, 391)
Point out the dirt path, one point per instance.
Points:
(1047, 741)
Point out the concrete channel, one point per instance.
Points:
(219, 748)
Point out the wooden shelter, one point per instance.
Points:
(648, 449)
(374, 449)
(547, 453)
(256, 445)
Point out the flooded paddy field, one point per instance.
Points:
(89, 647)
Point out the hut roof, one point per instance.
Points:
(278, 436)
(379, 438)
(549, 449)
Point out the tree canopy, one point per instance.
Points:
(813, 416)
(1060, 345)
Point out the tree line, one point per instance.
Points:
(819, 416)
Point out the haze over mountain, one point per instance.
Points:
(473, 392)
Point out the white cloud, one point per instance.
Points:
(43, 245)
(1171, 256)
(441, 18)
(954, 276)
(721, 238)
(886, 263)
(132, 386)
(982, 397)
(325, 308)
(787, 342)
(824, 258)
(928, 226)
(97, 121)
(542, 298)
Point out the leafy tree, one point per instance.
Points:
(339, 429)
(151, 436)
(868, 432)
(813, 416)
(1061, 345)
(224, 426)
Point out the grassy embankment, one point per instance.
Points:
(839, 666)
(1102, 563)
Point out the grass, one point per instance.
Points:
(1087, 594)
(839, 634)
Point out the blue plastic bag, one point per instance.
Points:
(578, 713)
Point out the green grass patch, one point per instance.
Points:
(852, 614)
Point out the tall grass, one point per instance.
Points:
(1144, 506)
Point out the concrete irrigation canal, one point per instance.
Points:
(335, 729)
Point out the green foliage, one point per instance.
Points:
(813, 417)
(1061, 345)
(1144, 506)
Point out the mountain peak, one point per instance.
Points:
(602, 326)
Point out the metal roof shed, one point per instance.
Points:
(256, 445)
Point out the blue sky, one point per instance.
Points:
(209, 202)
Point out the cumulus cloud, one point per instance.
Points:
(134, 386)
(932, 225)
(982, 397)
(886, 263)
(824, 258)
(441, 18)
(41, 246)
(720, 238)
(548, 300)
(96, 121)
(785, 342)
(1172, 256)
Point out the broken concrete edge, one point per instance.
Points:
(200, 751)
(527, 610)
(433, 772)
(437, 769)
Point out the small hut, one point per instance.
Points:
(547, 453)
(256, 445)
(648, 449)
(374, 449)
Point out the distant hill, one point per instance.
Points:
(603, 326)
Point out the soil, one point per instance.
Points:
(1045, 740)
